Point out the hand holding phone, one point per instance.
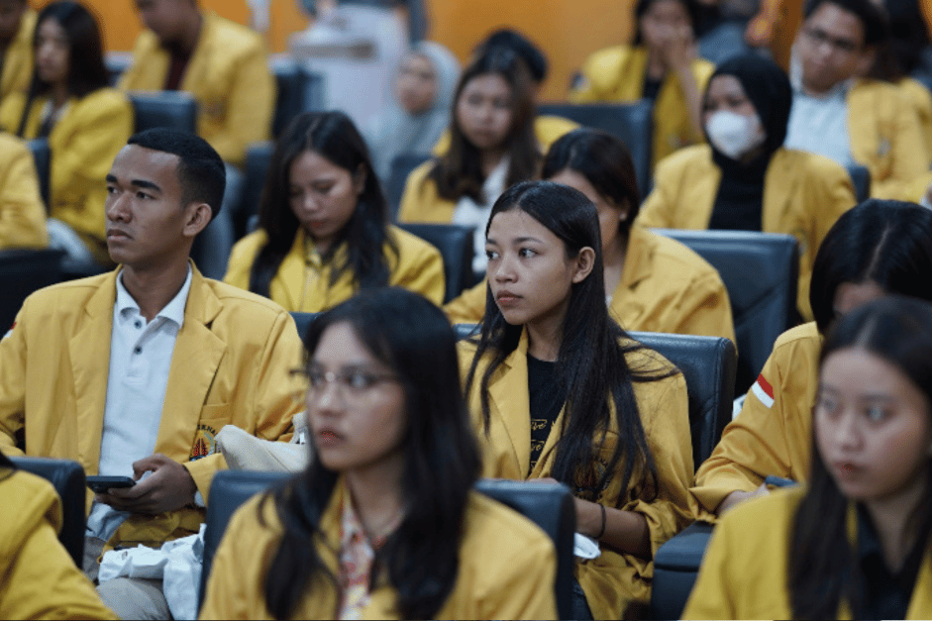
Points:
(103, 483)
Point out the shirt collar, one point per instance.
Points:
(174, 311)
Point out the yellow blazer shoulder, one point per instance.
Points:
(744, 571)
(22, 214)
(804, 195)
(617, 74)
(612, 580)
(229, 76)
(420, 200)
(32, 559)
(417, 267)
(506, 569)
(83, 143)
(18, 58)
(53, 389)
(771, 436)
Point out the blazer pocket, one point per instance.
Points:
(213, 419)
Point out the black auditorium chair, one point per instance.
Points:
(861, 181)
(760, 274)
(23, 271)
(258, 156)
(67, 477)
(455, 242)
(676, 565)
(42, 156)
(303, 322)
(631, 122)
(173, 109)
(299, 90)
(402, 166)
(549, 506)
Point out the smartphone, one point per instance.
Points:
(103, 483)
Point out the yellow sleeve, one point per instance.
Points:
(420, 269)
(249, 109)
(658, 208)
(909, 160)
(22, 214)
(469, 307)
(42, 582)
(420, 201)
(596, 76)
(706, 309)
(525, 591)
(11, 109)
(13, 384)
(242, 256)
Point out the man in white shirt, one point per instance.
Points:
(187, 355)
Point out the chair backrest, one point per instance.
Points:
(676, 565)
(708, 365)
(299, 90)
(117, 63)
(630, 122)
(402, 166)
(23, 271)
(67, 477)
(861, 181)
(258, 157)
(177, 110)
(549, 506)
(760, 274)
(42, 156)
(303, 321)
(455, 242)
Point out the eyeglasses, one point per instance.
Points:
(351, 383)
(819, 37)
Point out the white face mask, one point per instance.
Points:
(735, 134)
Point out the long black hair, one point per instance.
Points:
(333, 136)
(591, 361)
(883, 242)
(7, 468)
(86, 70)
(459, 172)
(822, 571)
(413, 338)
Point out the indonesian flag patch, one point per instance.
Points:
(763, 391)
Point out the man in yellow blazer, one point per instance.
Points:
(17, 22)
(223, 64)
(134, 372)
(849, 119)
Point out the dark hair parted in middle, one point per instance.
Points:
(591, 361)
(412, 337)
(333, 136)
(605, 162)
(459, 172)
(883, 242)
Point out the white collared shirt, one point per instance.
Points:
(472, 214)
(821, 124)
(140, 361)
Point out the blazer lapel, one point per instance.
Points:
(780, 186)
(89, 352)
(198, 352)
(291, 274)
(508, 395)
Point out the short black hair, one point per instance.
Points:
(201, 171)
(513, 40)
(874, 21)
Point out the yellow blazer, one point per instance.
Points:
(22, 214)
(885, 135)
(506, 570)
(32, 560)
(612, 580)
(804, 195)
(548, 128)
(230, 366)
(665, 288)
(298, 287)
(83, 143)
(617, 74)
(420, 201)
(767, 439)
(18, 60)
(229, 76)
(744, 571)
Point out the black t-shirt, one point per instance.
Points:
(546, 398)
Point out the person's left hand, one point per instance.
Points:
(168, 487)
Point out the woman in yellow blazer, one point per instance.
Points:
(323, 225)
(383, 524)
(744, 179)
(875, 248)
(557, 391)
(32, 560)
(657, 283)
(85, 122)
(856, 542)
(22, 214)
(660, 66)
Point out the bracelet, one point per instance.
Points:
(602, 528)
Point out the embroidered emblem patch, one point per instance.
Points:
(205, 442)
